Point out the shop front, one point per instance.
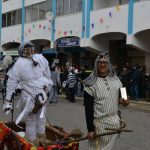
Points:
(69, 50)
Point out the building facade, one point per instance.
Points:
(76, 30)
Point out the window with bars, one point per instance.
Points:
(49, 5)
(65, 7)
(42, 11)
(11, 18)
(38, 11)
(34, 12)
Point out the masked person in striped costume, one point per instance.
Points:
(101, 99)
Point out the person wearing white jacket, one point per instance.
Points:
(32, 73)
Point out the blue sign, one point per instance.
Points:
(68, 42)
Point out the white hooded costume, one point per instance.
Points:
(32, 79)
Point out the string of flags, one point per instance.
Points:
(102, 19)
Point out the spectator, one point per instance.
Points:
(71, 84)
(56, 82)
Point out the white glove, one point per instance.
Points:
(7, 107)
(42, 97)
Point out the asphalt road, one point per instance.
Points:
(71, 116)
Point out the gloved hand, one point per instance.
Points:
(42, 97)
(7, 107)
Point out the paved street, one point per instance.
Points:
(71, 116)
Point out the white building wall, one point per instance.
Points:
(31, 2)
(141, 16)
(11, 5)
(117, 22)
(70, 25)
(11, 34)
(38, 30)
(33, 31)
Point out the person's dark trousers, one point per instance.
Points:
(72, 94)
(149, 94)
(82, 88)
(67, 92)
(76, 88)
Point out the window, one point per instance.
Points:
(4, 20)
(13, 18)
(73, 6)
(79, 6)
(18, 16)
(42, 10)
(121, 2)
(8, 19)
(49, 5)
(65, 7)
(59, 7)
(28, 14)
(34, 13)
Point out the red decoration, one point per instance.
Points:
(65, 33)
(101, 20)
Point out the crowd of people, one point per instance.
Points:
(136, 80)
(70, 81)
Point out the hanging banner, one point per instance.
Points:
(68, 42)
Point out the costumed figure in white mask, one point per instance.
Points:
(33, 76)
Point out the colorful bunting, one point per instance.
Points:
(83, 28)
(44, 27)
(92, 25)
(101, 20)
(110, 14)
(59, 32)
(33, 26)
(65, 33)
(118, 8)
(71, 32)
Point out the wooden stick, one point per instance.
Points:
(117, 131)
